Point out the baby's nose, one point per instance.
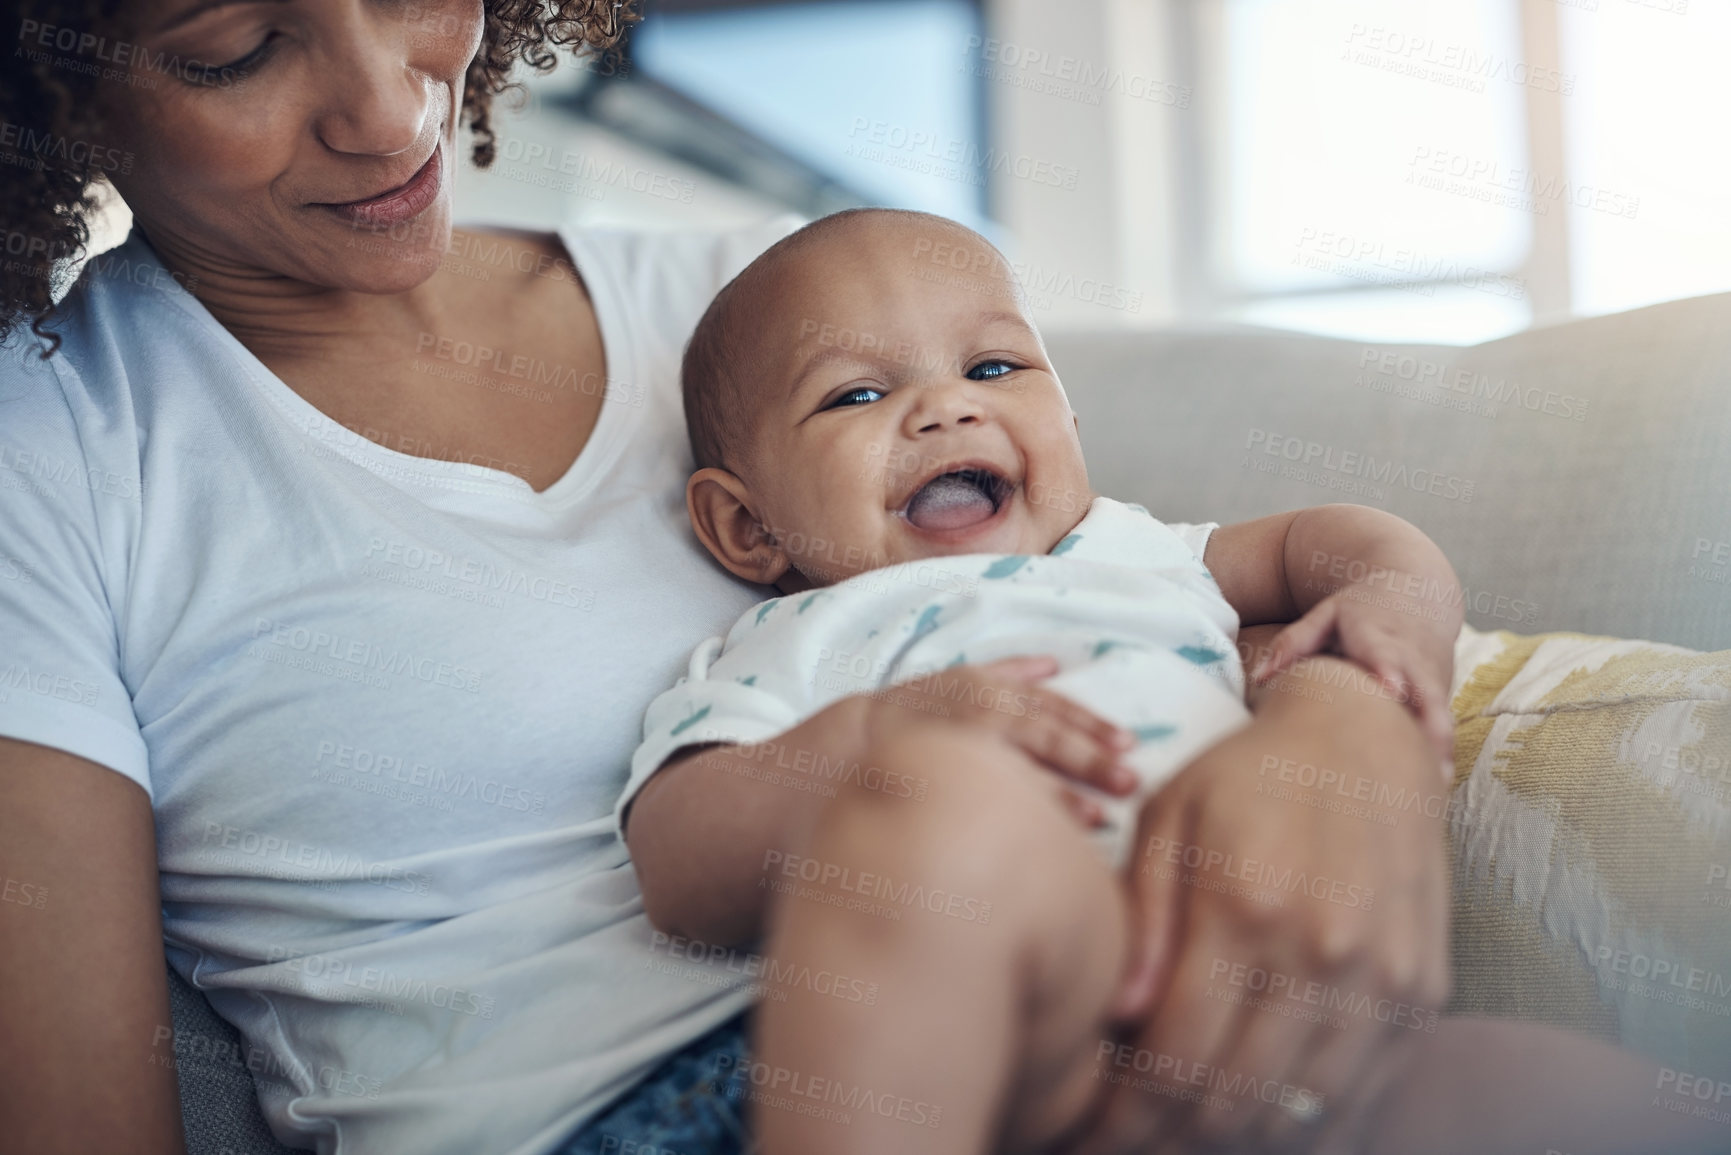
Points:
(945, 405)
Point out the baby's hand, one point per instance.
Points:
(1066, 738)
(1410, 654)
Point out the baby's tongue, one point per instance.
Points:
(949, 502)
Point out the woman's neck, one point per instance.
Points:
(280, 318)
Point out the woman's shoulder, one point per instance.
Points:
(121, 310)
(41, 389)
(70, 401)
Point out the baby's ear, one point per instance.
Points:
(725, 518)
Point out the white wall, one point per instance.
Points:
(1089, 89)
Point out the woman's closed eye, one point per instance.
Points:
(857, 395)
(252, 59)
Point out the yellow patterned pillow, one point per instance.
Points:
(1590, 838)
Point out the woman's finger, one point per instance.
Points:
(1266, 1053)
(1419, 689)
(1158, 906)
(1436, 716)
(1351, 1071)
(1152, 1074)
(1308, 635)
(1191, 1041)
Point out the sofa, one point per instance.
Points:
(1578, 476)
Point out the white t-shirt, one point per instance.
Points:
(1140, 631)
(383, 705)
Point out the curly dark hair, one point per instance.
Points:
(51, 125)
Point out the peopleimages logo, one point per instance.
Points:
(361, 764)
(1470, 385)
(1312, 458)
(1325, 996)
(482, 575)
(1067, 77)
(40, 145)
(590, 177)
(304, 857)
(1223, 1081)
(831, 1100)
(328, 970)
(265, 1067)
(1484, 179)
(1256, 873)
(37, 41)
(934, 900)
(921, 150)
(14, 676)
(1370, 259)
(768, 973)
(362, 656)
(1700, 1096)
(1454, 65)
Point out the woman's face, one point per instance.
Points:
(312, 139)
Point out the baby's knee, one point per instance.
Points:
(969, 809)
(940, 775)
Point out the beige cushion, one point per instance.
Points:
(1615, 522)
(1590, 836)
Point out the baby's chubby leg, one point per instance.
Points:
(980, 934)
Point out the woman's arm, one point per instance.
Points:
(1249, 864)
(88, 1060)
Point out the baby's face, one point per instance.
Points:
(907, 410)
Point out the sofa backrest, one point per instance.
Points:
(1578, 476)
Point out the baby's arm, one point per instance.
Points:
(1359, 582)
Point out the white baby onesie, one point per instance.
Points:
(1141, 633)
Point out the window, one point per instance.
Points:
(874, 94)
(1421, 170)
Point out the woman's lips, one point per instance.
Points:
(400, 204)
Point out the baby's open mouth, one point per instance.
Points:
(957, 500)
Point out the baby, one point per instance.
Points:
(895, 455)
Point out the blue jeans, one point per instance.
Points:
(692, 1104)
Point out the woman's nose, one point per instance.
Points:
(375, 104)
(942, 404)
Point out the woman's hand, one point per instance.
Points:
(1287, 941)
(1402, 641)
(1066, 738)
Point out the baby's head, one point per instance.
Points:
(871, 390)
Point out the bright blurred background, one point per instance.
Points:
(1435, 170)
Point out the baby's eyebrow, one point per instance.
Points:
(897, 361)
(826, 357)
(1004, 317)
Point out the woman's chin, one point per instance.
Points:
(391, 260)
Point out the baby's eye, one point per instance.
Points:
(859, 395)
(986, 370)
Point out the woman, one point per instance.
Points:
(339, 584)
